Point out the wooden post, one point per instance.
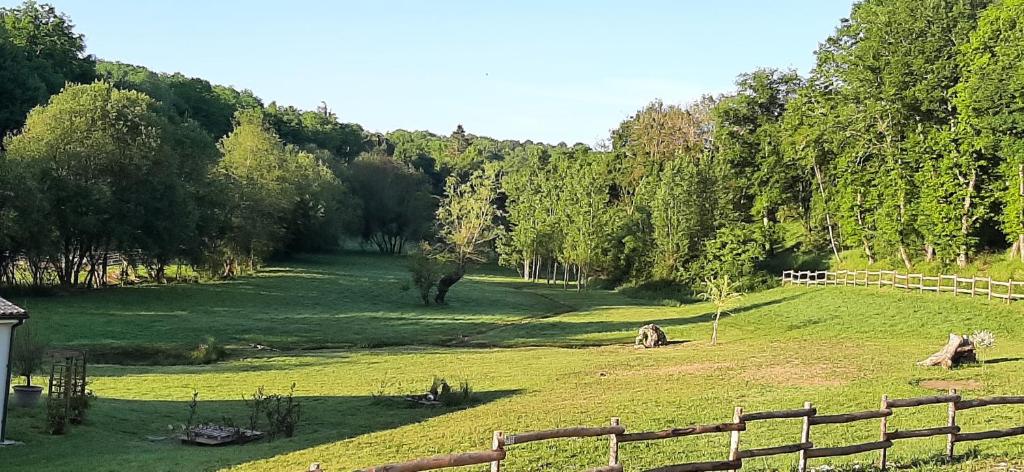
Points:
(734, 442)
(989, 285)
(497, 444)
(613, 445)
(974, 284)
(805, 437)
(951, 437)
(884, 456)
(1009, 290)
(956, 284)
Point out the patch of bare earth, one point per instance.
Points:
(945, 385)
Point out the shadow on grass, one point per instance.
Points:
(127, 433)
(1003, 360)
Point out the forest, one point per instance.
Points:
(904, 145)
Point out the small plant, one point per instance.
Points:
(208, 352)
(193, 411)
(28, 354)
(283, 413)
(721, 292)
(257, 405)
(983, 339)
(56, 418)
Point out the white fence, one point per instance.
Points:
(972, 286)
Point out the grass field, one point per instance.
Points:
(538, 357)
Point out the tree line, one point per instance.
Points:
(903, 145)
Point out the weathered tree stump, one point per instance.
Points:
(959, 350)
(651, 336)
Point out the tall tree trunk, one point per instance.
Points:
(526, 268)
(714, 327)
(966, 220)
(828, 215)
(905, 256)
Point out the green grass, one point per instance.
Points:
(539, 357)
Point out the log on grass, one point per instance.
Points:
(850, 417)
(774, 451)
(440, 462)
(777, 415)
(958, 350)
(700, 467)
(679, 432)
(577, 432)
(847, 450)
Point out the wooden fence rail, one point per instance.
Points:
(617, 436)
(973, 286)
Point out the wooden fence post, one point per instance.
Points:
(613, 445)
(734, 442)
(974, 284)
(989, 285)
(885, 432)
(1009, 290)
(951, 437)
(497, 444)
(805, 437)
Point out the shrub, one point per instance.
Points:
(208, 352)
(425, 271)
(282, 412)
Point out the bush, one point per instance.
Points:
(425, 271)
(208, 352)
(282, 412)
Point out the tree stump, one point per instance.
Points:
(651, 336)
(959, 350)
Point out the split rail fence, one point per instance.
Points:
(618, 437)
(973, 286)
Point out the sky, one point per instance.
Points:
(549, 71)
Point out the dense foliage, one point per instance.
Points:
(905, 154)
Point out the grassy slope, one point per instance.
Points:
(839, 347)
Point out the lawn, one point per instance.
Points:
(538, 357)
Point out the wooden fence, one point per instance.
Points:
(973, 286)
(617, 437)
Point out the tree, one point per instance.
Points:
(721, 292)
(465, 222)
(94, 152)
(396, 203)
(989, 100)
(748, 137)
(255, 170)
(39, 53)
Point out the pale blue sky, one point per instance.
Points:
(544, 70)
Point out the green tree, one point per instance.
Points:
(990, 99)
(87, 151)
(39, 53)
(465, 221)
(396, 205)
